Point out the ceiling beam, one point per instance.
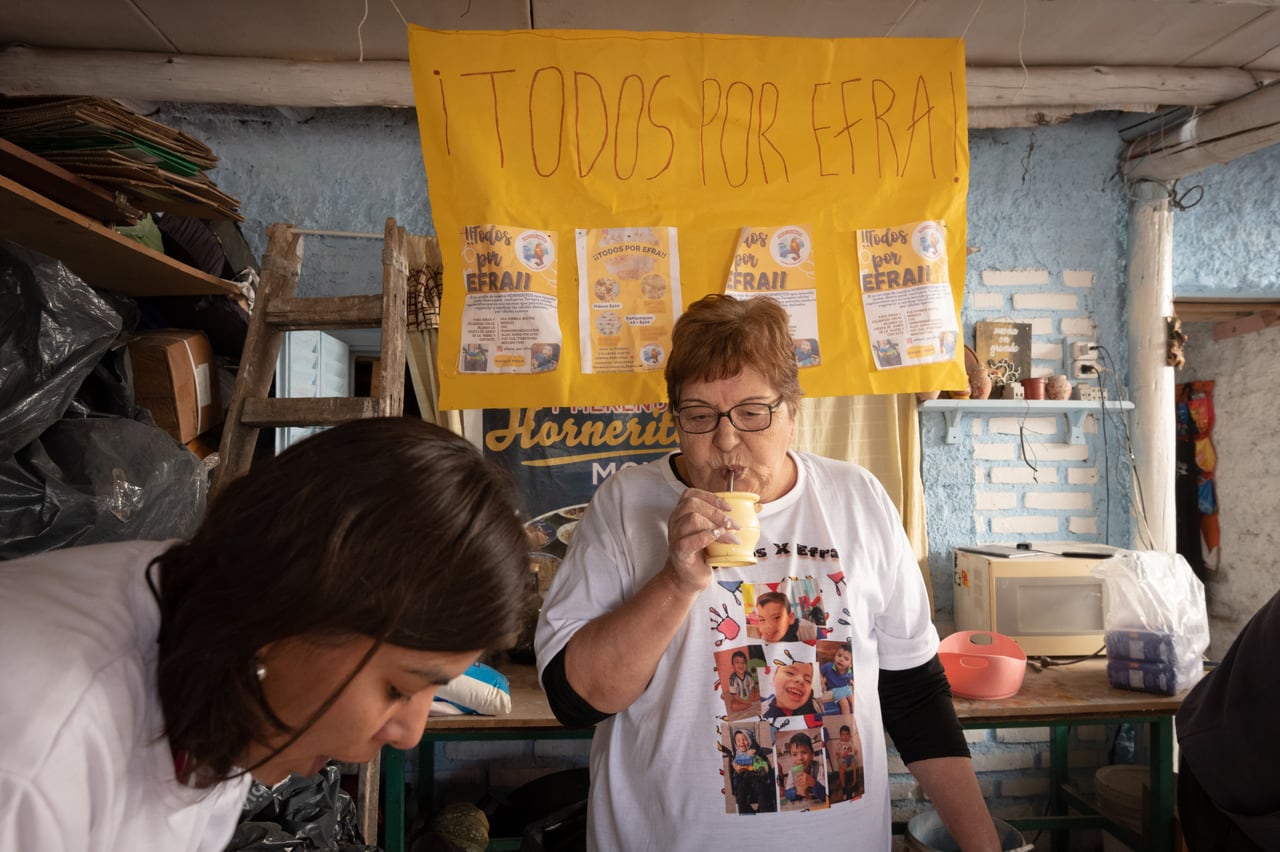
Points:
(1042, 94)
(1235, 128)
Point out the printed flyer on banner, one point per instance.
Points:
(509, 319)
(778, 263)
(906, 294)
(629, 292)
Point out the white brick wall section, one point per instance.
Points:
(993, 500)
(1040, 326)
(1025, 786)
(1065, 500)
(979, 476)
(1015, 277)
(995, 761)
(1092, 733)
(1046, 352)
(905, 790)
(1077, 476)
(973, 736)
(1077, 277)
(994, 452)
(1060, 452)
(1024, 524)
(1045, 302)
(1083, 526)
(1030, 425)
(1083, 757)
(1022, 735)
(1078, 327)
(986, 301)
(1025, 476)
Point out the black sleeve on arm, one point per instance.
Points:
(569, 707)
(918, 713)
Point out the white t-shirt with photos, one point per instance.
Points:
(661, 770)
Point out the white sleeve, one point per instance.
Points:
(30, 820)
(905, 632)
(618, 545)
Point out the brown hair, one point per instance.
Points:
(772, 598)
(717, 337)
(390, 528)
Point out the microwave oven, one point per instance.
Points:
(1050, 604)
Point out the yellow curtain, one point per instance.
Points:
(881, 433)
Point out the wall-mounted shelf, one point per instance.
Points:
(96, 253)
(955, 410)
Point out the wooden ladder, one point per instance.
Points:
(278, 310)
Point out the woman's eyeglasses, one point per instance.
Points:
(745, 417)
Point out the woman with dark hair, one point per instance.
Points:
(324, 598)
(624, 641)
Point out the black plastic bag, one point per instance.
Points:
(54, 329)
(98, 479)
(300, 814)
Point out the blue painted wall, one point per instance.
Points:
(1228, 244)
(341, 170)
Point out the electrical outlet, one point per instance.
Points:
(1084, 369)
(1084, 350)
(1080, 351)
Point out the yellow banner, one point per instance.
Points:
(572, 143)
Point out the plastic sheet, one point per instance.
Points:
(54, 329)
(92, 480)
(1156, 622)
(79, 462)
(302, 812)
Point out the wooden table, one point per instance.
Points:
(530, 719)
(1058, 698)
(1062, 697)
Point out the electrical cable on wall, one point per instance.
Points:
(1028, 455)
(1134, 497)
(1137, 501)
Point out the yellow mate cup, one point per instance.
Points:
(742, 508)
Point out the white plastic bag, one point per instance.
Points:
(1156, 623)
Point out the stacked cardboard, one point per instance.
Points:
(156, 168)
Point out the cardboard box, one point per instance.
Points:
(174, 378)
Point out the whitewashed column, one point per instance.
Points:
(1150, 379)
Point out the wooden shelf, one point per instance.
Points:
(95, 252)
(1223, 308)
(955, 411)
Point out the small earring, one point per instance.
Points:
(261, 671)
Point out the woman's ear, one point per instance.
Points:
(260, 658)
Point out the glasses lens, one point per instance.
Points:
(751, 416)
(698, 418)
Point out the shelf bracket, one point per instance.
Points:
(1075, 425)
(954, 418)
